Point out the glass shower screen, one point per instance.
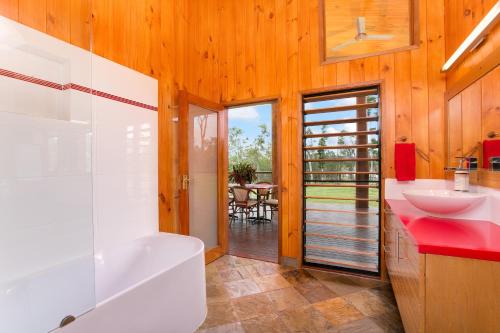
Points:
(46, 232)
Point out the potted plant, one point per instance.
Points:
(243, 173)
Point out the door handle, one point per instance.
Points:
(185, 182)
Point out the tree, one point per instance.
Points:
(258, 152)
(237, 145)
(321, 152)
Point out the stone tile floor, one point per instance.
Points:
(246, 295)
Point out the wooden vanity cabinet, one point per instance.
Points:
(438, 293)
(406, 269)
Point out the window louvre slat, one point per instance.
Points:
(340, 121)
(341, 173)
(327, 135)
(340, 147)
(334, 96)
(354, 159)
(342, 108)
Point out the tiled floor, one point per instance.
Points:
(246, 295)
(256, 241)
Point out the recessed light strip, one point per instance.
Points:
(475, 36)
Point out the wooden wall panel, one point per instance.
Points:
(471, 118)
(10, 9)
(435, 58)
(454, 126)
(490, 103)
(58, 19)
(80, 17)
(33, 13)
(263, 54)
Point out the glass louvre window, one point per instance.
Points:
(341, 179)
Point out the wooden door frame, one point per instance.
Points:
(276, 116)
(186, 99)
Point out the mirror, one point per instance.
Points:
(473, 115)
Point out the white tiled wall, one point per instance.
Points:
(46, 230)
(78, 173)
(125, 156)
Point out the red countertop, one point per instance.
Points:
(449, 237)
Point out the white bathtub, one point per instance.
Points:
(155, 284)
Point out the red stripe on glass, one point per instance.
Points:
(73, 86)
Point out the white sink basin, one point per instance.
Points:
(443, 201)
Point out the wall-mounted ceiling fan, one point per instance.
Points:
(361, 35)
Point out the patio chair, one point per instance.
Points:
(232, 214)
(263, 194)
(271, 202)
(242, 202)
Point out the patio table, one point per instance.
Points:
(257, 187)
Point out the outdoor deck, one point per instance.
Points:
(255, 241)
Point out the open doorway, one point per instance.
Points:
(253, 181)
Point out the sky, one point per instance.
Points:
(248, 118)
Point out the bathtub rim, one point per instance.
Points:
(160, 272)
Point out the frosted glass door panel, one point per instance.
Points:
(46, 232)
(202, 152)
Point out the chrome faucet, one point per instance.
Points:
(462, 174)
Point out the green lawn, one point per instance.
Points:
(343, 192)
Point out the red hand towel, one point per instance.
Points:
(404, 160)
(491, 148)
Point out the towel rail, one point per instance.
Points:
(493, 134)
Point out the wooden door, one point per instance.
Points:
(203, 168)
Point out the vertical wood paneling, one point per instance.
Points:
(454, 127)
(357, 70)
(167, 151)
(292, 112)
(403, 95)
(435, 58)
(304, 44)
(472, 114)
(490, 103)
(250, 44)
(33, 13)
(281, 15)
(316, 68)
(265, 61)
(471, 121)
(388, 114)
(59, 18)
(330, 75)
(419, 96)
(371, 69)
(227, 67)
(343, 73)
(80, 12)
(10, 9)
